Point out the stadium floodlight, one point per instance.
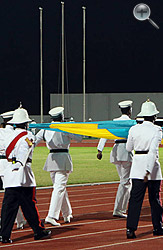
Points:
(63, 54)
(84, 61)
(41, 67)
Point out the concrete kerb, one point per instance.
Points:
(77, 185)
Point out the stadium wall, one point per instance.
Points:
(103, 106)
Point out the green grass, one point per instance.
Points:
(87, 168)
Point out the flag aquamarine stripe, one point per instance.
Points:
(117, 128)
(116, 124)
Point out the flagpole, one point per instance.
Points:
(41, 67)
(84, 62)
(63, 54)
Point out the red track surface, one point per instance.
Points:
(84, 143)
(93, 226)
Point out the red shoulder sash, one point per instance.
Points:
(13, 143)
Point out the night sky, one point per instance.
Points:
(122, 53)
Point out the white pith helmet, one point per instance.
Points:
(148, 108)
(20, 116)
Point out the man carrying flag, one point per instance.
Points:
(145, 170)
(59, 164)
(122, 160)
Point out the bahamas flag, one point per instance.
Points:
(102, 129)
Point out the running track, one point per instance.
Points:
(93, 226)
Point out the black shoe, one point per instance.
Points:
(157, 232)
(5, 240)
(130, 234)
(43, 235)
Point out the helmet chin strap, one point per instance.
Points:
(150, 118)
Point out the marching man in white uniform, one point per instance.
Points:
(4, 134)
(122, 160)
(59, 164)
(145, 170)
(19, 180)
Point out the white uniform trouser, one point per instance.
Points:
(59, 199)
(124, 188)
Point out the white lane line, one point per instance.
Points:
(122, 243)
(78, 224)
(85, 190)
(92, 205)
(87, 194)
(77, 191)
(90, 194)
(72, 236)
(101, 198)
(40, 200)
(70, 196)
(97, 205)
(98, 188)
(68, 225)
(93, 199)
(75, 195)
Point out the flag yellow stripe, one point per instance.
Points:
(85, 129)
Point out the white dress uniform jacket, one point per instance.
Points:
(57, 140)
(144, 137)
(23, 177)
(119, 152)
(4, 134)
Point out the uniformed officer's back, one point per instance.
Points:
(142, 135)
(145, 170)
